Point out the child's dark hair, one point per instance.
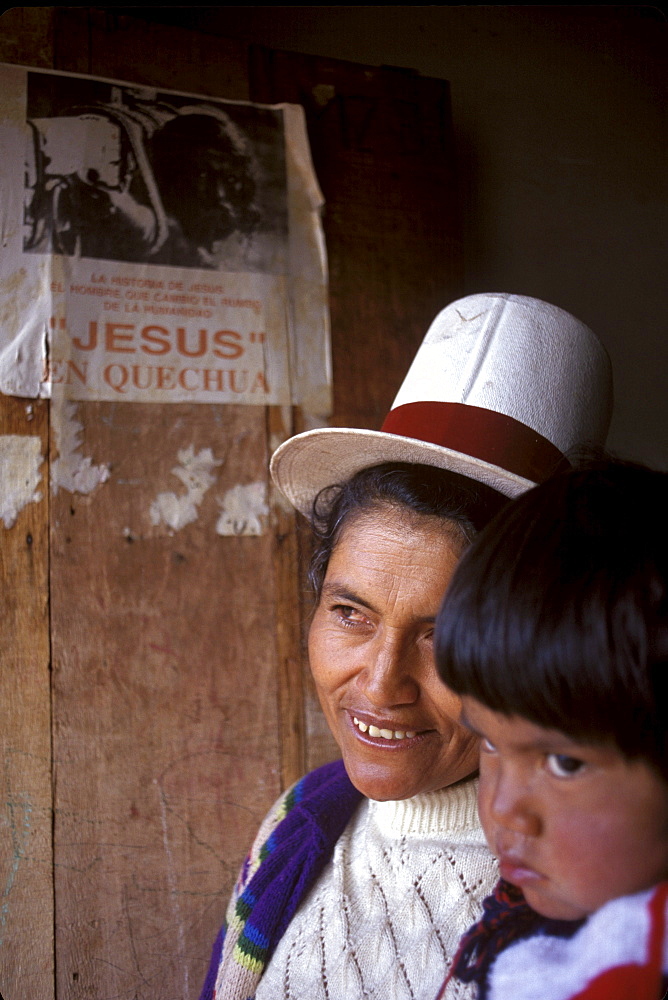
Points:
(558, 612)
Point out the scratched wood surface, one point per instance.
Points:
(165, 707)
(26, 857)
(26, 862)
(179, 694)
(26, 854)
(166, 736)
(381, 141)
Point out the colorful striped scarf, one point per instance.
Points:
(293, 846)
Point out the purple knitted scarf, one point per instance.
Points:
(317, 810)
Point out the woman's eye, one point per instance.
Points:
(563, 766)
(348, 615)
(486, 746)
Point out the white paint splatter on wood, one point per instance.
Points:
(243, 510)
(72, 471)
(20, 459)
(196, 472)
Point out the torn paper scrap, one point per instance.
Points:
(20, 461)
(243, 510)
(71, 470)
(196, 472)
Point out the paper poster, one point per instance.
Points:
(158, 247)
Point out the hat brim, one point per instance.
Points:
(308, 462)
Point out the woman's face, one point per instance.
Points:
(370, 648)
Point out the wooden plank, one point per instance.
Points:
(26, 854)
(382, 146)
(177, 681)
(381, 141)
(102, 43)
(282, 424)
(26, 888)
(26, 36)
(166, 730)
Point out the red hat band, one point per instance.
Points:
(486, 435)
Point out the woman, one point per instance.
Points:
(364, 875)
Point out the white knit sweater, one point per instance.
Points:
(384, 919)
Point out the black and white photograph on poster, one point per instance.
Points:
(158, 246)
(125, 173)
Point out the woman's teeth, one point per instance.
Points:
(385, 734)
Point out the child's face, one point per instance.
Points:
(573, 825)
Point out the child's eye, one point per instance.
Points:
(563, 766)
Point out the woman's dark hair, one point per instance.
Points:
(559, 610)
(417, 489)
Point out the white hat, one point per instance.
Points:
(500, 388)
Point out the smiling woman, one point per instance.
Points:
(370, 648)
(365, 874)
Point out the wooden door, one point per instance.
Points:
(153, 699)
(381, 140)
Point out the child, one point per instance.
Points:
(554, 632)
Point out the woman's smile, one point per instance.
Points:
(370, 648)
(383, 731)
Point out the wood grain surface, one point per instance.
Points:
(381, 141)
(26, 859)
(154, 694)
(166, 737)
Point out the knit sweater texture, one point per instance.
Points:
(383, 915)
